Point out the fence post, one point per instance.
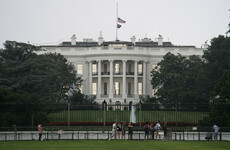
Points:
(220, 136)
(104, 114)
(140, 118)
(68, 114)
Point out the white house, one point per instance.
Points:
(118, 71)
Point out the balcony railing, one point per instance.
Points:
(117, 73)
(129, 73)
(104, 95)
(105, 73)
(130, 96)
(117, 96)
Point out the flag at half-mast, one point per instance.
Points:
(120, 20)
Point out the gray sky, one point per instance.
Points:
(183, 22)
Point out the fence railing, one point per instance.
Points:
(101, 115)
(106, 135)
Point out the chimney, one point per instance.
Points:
(100, 40)
(133, 39)
(73, 40)
(206, 45)
(160, 40)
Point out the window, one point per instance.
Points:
(129, 67)
(129, 88)
(105, 88)
(79, 69)
(94, 68)
(139, 88)
(154, 67)
(139, 68)
(117, 88)
(117, 68)
(154, 92)
(80, 88)
(94, 88)
(105, 68)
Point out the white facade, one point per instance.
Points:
(118, 71)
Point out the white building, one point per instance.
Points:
(118, 71)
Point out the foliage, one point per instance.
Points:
(218, 76)
(78, 98)
(18, 109)
(177, 79)
(23, 71)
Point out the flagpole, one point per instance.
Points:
(116, 22)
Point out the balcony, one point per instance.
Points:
(129, 73)
(117, 73)
(105, 73)
(104, 95)
(130, 96)
(117, 96)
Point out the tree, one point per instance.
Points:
(23, 71)
(217, 63)
(177, 78)
(218, 81)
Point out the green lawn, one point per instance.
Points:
(114, 145)
(111, 116)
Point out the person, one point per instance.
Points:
(114, 131)
(165, 128)
(123, 130)
(130, 131)
(157, 128)
(119, 130)
(151, 130)
(146, 129)
(216, 130)
(40, 131)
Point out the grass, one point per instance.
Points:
(110, 116)
(113, 145)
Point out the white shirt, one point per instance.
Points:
(157, 126)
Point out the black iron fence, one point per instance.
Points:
(101, 115)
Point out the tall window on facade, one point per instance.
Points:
(105, 88)
(79, 69)
(94, 68)
(129, 67)
(117, 88)
(94, 88)
(80, 88)
(154, 92)
(140, 67)
(129, 88)
(154, 67)
(139, 88)
(117, 68)
(105, 68)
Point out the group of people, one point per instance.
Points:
(150, 129)
(118, 130)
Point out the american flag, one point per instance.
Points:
(120, 20)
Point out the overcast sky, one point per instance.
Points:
(49, 22)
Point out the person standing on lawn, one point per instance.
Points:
(40, 131)
(157, 128)
(114, 131)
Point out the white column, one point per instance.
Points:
(99, 79)
(90, 78)
(111, 79)
(144, 78)
(124, 95)
(135, 79)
